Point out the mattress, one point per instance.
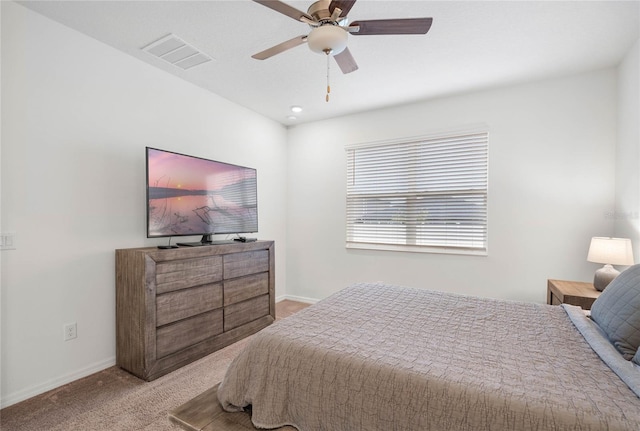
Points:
(381, 357)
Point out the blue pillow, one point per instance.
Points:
(617, 312)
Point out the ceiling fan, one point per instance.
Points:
(330, 28)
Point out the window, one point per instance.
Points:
(424, 194)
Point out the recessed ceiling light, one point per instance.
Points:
(291, 117)
(296, 108)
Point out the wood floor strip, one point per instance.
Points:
(197, 413)
(204, 413)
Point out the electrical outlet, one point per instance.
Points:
(70, 331)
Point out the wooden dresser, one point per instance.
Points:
(177, 305)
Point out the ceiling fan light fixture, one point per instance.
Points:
(328, 38)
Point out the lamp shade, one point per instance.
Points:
(327, 38)
(613, 251)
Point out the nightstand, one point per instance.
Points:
(571, 292)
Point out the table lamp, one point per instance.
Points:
(609, 251)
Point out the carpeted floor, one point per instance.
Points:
(114, 400)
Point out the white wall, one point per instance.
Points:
(76, 117)
(551, 184)
(627, 214)
(0, 210)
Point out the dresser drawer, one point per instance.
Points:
(241, 289)
(251, 262)
(179, 274)
(245, 311)
(176, 336)
(178, 305)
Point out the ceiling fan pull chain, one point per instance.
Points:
(328, 86)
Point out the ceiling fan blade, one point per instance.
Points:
(346, 61)
(285, 9)
(277, 49)
(345, 6)
(391, 26)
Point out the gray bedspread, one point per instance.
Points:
(379, 357)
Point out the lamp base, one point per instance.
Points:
(604, 276)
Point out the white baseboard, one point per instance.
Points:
(297, 298)
(27, 393)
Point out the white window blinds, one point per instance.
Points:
(427, 194)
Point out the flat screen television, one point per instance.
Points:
(189, 195)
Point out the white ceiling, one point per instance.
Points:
(471, 45)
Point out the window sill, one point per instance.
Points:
(416, 249)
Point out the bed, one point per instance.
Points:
(380, 357)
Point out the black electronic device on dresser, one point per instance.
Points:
(189, 196)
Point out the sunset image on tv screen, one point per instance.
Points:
(194, 196)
